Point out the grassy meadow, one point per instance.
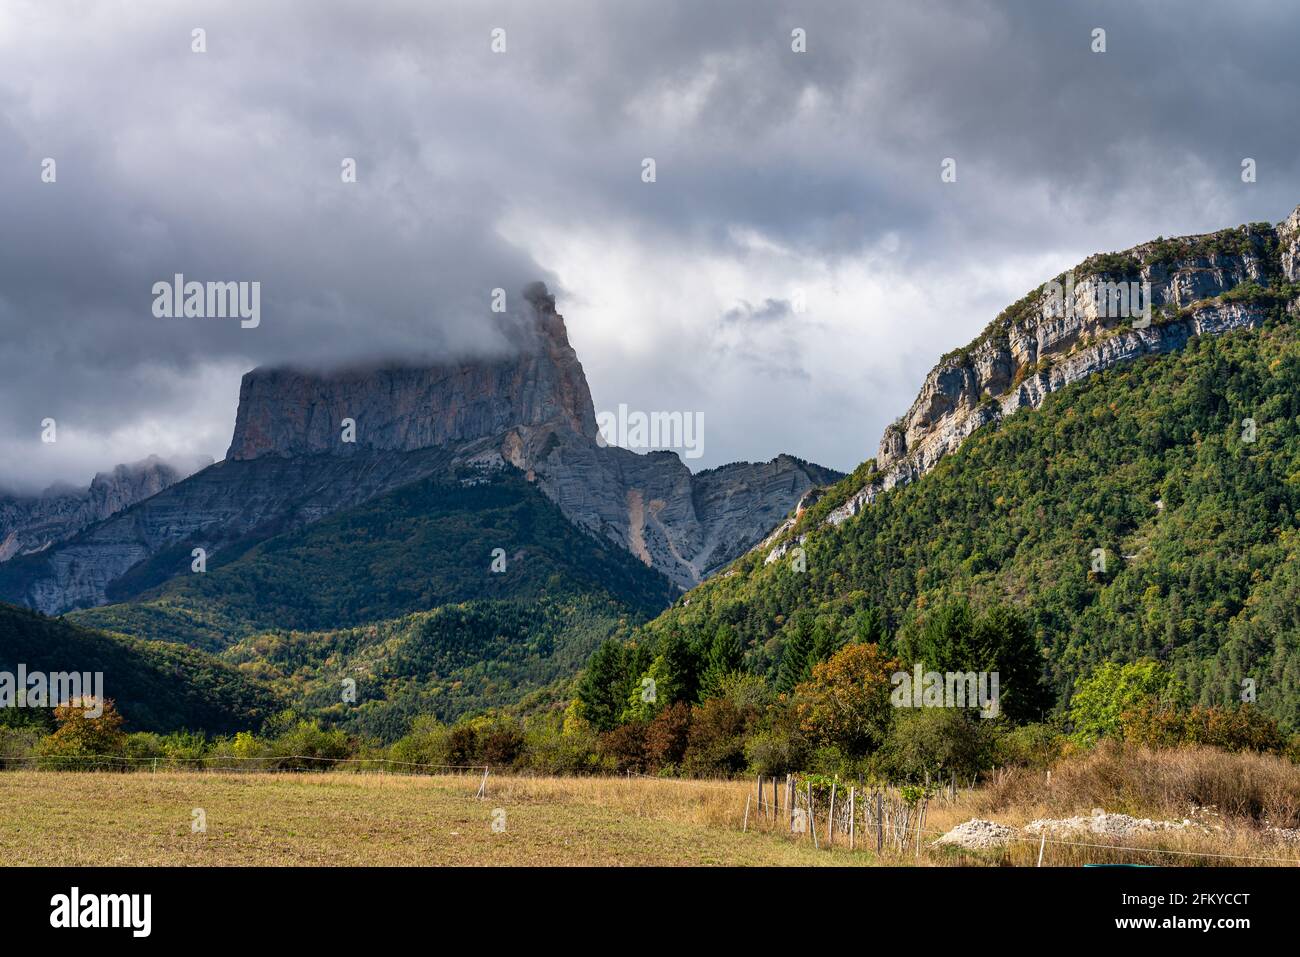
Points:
(340, 819)
(57, 818)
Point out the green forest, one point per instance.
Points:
(1148, 512)
(1123, 558)
(408, 596)
(161, 686)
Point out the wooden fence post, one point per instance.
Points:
(812, 820)
(920, 816)
(830, 816)
(853, 813)
(880, 823)
(745, 827)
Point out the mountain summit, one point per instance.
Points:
(307, 444)
(404, 407)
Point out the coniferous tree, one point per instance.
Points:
(796, 656)
(725, 656)
(605, 685)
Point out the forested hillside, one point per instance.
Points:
(157, 686)
(1183, 470)
(444, 597)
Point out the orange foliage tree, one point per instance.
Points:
(847, 701)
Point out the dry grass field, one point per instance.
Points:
(104, 818)
(53, 818)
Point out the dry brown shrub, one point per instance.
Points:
(1133, 779)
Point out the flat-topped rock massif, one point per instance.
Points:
(309, 443)
(540, 385)
(531, 410)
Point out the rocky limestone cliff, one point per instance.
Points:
(32, 523)
(228, 504)
(686, 526)
(402, 408)
(531, 410)
(1199, 285)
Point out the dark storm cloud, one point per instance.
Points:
(225, 166)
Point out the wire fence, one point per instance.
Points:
(900, 830)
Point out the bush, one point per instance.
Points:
(79, 739)
(144, 747)
(623, 749)
(1242, 727)
(308, 746)
(1239, 728)
(500, 744)
(1028, 746)
(829, 761)
(186, 748)
(935, 743)
(666, 736)
(715, 743)
(774, 751)
(462, 745)
(428, 742)
(554, 746)
(17, 745)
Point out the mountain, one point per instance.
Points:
(533, 411)
(32, 523)
(428, 544)
(408, 595)
(291, 463)
(1134, 491)
(157, 686)
(538, 389)
(1199, 285)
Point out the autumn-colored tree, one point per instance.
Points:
(666, 735)
(1242, 727)
(78, 736)
(846, 703)
(716, 742)
(1154, 723)
(624, 747)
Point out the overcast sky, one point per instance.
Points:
(777, 173)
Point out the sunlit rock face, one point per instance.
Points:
(1040, 345)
